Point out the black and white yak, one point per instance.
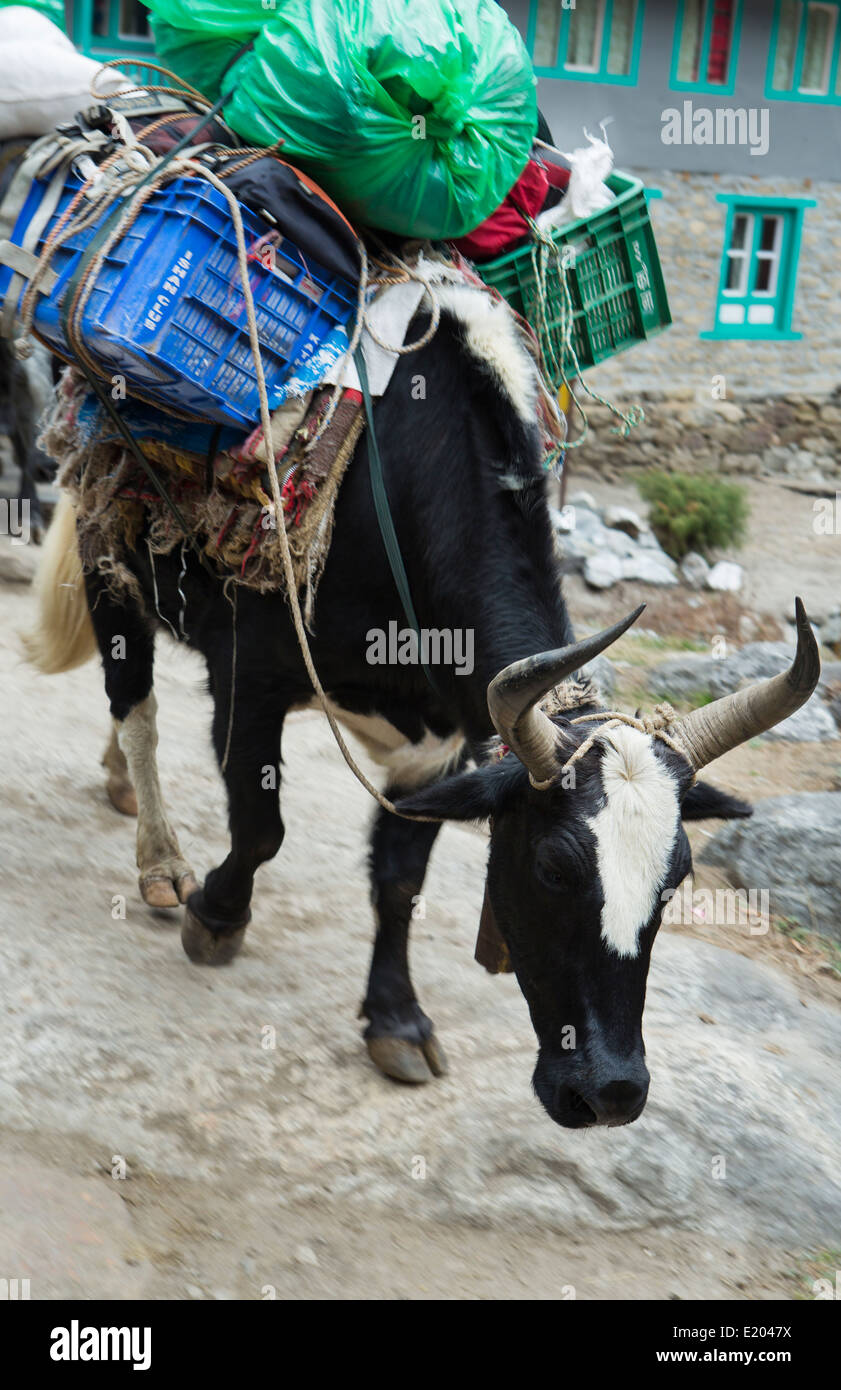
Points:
(577, 874)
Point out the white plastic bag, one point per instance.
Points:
(587, 191)
(43, 84)
(19, 22)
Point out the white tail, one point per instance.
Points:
(63, 636)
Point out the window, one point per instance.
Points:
(592, 40)
(759, 267)
(111, 28)
(706, 45)
(134, 20)
(804, 63)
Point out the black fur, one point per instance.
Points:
(478, 556)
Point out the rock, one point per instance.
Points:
(725, 577)
(617, 542)
(831, 633)
(602, 670)
(776, 458)
(800, 463)
(563, 520)
(751, 464)
(305, 1255)
(688, 675)
(813, 723)
(623, 519)
(602, 570)
(649, 569)
(583, 499)
(728, 411)
(791, 847)
(17, 562)
(694, 570)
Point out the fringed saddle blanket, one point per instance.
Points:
(222, 494)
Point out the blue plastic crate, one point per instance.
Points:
(167, 310)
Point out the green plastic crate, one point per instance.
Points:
(614, 280)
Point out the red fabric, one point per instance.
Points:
(508, 223)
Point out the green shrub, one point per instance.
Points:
(694, 511)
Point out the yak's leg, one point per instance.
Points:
(121, 793)
(166, 878)
(218, 914)
(126, 641)
(399, 1036)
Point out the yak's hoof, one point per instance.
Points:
(207, 947)
(161, 888)
(406, 1061)
(122, 796)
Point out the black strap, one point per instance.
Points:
(384, 517)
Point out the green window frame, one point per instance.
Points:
(103, 29)
(804, 57)
(759, 267)
(588, 41)
(695, 37)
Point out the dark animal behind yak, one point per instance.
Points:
(19, 422)
(578, 867)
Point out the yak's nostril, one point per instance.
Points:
(619, 1100)
(583, 1113)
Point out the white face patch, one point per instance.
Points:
(635, 832)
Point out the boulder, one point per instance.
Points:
(687, 676)
(813, 723)
(624, 519)
(603, 570)
(725, 577)
(602, 671)
(694, 570)
(650, 568)
(791, 846)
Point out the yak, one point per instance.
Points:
(586, 813)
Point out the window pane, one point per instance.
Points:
(134, 19)
(621, 37)
(691, 38)
(768, 233)
(817, 52)
(735, 273)
(739, 234)
(99, 23)
(786, 46)
(762, 278)
(547, 33)
(584, 33)
(721, 36)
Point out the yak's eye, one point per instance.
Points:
(557, 865)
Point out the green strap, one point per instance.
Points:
(384, 517)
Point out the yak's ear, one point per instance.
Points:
(705, 802)
(472, 795)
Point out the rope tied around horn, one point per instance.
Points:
(656, 724)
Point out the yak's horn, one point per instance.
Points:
(714, 729)
(514, 696)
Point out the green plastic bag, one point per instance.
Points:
(417, 116)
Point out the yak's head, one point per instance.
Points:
(584, 850)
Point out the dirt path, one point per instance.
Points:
(294, 1167)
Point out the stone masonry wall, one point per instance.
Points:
(689, 226)
(685, 431)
